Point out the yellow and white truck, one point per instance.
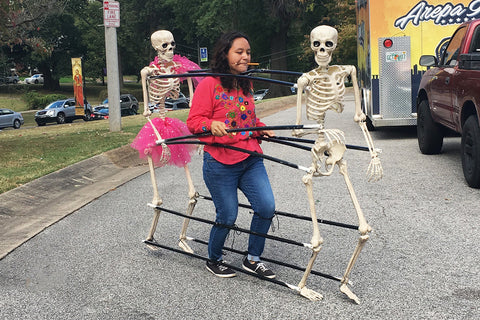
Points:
(391, 37)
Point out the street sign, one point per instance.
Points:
(203, 55)
(111, 14)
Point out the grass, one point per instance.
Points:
(28, 154)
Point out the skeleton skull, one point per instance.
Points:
(164, 43)
(323, 40)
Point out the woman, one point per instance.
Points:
(220, 104)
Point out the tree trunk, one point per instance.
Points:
(49, 83)
(278, 47)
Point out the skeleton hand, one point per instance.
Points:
(147, 112)
(297, 132)
(375, 170)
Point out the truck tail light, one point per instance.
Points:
(387, 43)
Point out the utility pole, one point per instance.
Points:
(111, 20)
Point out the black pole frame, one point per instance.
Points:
(282, 283)
(235, 228)
(210, 74)
(295, 216)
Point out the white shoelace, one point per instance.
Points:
(261, 266)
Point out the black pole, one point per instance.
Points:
(295, 216)
(156, 244)
(254, 153)
(209, 74)
(206, 134)
(284, 140)
(281, 263)
(233, 227)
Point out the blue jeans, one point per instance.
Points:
(222, 181)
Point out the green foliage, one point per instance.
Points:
(276, 28)
(37, 100)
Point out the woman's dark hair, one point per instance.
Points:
(220, 64)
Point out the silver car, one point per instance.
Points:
(35, 79)
(10, 118)
(60, 111)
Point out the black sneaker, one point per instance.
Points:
(219, 269)
(258, 267)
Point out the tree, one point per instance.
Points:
(18, 18)
(88, 22)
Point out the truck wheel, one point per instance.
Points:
(429, 133)
(471, 152)
(60, 118)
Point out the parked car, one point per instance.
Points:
(100, 112)
(10, 118)
(35, 79)
(13, 78)
(128, 105)
(59, 111)
(259, 94)
(173, 104)
(449, 99)
(181, 102)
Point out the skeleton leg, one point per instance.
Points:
(316, 243)
(363, 228)
(155, 201)
(193, 195)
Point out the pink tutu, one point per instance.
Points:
(167, 128)
(185, 66)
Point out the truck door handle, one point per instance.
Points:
(447, 80)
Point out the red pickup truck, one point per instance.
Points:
(449, 98)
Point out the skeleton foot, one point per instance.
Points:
(310, 294)
(346, 290)
(152, 247)
(182, 243)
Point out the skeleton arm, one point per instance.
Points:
(359, 115)
(302, 83)
(190, 91)
(144, 74)
(374, 170)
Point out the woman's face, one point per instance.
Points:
(239, 56)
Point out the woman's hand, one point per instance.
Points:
(268, 133)
(218, 128)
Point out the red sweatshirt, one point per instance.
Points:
(212, 102)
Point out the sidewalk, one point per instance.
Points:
(27, 210)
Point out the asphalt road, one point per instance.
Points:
(421, 261)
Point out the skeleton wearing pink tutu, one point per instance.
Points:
(155, 91)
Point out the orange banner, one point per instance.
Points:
(78, 86)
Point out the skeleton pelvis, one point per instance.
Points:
(327, 151)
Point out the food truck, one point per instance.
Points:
(391, 37)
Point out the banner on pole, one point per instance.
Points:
(78, 86)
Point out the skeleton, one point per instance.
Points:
(155, 91)
(324, 87)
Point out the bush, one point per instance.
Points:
(36, 100)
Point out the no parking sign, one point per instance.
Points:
(111, 14)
